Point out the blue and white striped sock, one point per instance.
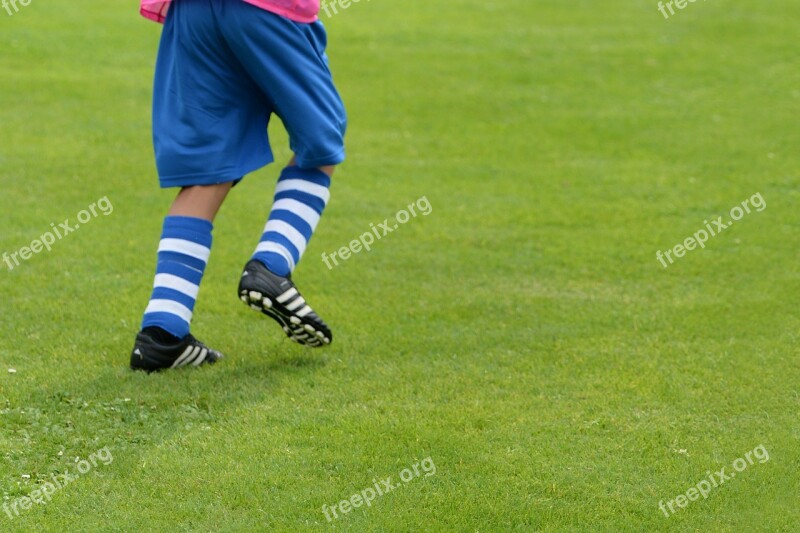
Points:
(182, 257)
(300, 198)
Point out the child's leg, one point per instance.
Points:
(287, 61)
(300, 198)
(209, 130)
(266, 285)
(201, 201)
(182, 256)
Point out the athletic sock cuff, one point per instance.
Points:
(314, 175)
(197, 230)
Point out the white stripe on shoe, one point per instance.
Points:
(187, 354)
(286, 295)
(297, 302)
(200, 358)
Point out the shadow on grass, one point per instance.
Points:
(129, 412)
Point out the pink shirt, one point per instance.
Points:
(297, 10)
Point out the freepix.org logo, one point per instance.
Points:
(45, 492)
(57, 232)
(366, 240)
(711, 229)
(663, 7)
(8, 5)
(425, 468)
(714, 479)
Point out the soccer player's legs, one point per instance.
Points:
(287, 61)
(209, 130)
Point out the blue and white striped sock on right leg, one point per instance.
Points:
(300, 198)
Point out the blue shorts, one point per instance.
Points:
(224, 67)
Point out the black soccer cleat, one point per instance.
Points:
(277, 297)
(151, 355)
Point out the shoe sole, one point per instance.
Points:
(296, 327)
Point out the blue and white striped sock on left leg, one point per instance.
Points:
(182, 257)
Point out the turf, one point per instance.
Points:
(523, 335)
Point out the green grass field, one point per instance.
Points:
(523, 336)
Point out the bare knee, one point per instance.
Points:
(200, 201)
